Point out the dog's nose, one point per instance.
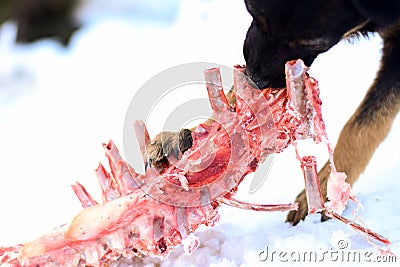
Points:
(270, 82)
(262, 84)
(255, 82)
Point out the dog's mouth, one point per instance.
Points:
(263, 83)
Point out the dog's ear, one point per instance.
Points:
(384, 13)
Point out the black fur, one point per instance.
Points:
(383, 13)
(284, 30)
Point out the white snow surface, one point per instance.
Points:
(57, 106)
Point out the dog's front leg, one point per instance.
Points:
(368, 126)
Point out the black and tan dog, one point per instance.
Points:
(284, 30)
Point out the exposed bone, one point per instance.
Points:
(84, 197)
(295, 70)
(258, 207)
(143, 138)
(124, 175)
(109, 186)
(152, 213)
(315, 202)
(216, 94)
(339, 191)
(313, 189)
(360, 228)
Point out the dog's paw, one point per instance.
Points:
(295, 216)
(167, 146)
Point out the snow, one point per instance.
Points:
(58, 105)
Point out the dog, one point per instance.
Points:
(284, 30)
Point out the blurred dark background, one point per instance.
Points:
(37, 19)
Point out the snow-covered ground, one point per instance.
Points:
(58, 105)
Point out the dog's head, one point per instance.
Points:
(284, 30)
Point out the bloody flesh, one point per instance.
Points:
(152, 213)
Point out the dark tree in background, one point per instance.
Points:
(37, 19)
